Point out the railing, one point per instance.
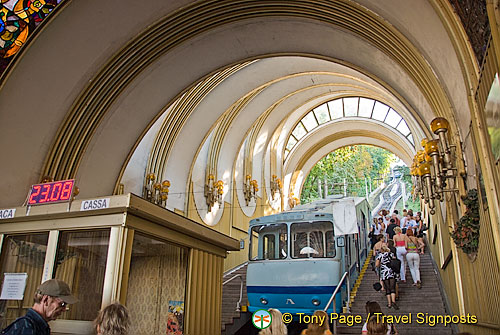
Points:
(339, 285)
(238, 304)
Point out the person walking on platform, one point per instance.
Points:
(387, 275)
(401, 243)
(413, 257)
(390, 229)
(420, 232)
(376, 229)
(51, 298)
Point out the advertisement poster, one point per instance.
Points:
(175, 322)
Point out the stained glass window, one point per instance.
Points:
(18, 20)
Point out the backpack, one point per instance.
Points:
(395, 265)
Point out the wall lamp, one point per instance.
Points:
(250, 188)
(276, 186)
(434, 167)
(156, 192)
(293, 200)
(213, 192)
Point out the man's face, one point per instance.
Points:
(54, 307)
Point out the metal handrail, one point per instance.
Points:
(339, 285)
(238, 304)
(346, 275)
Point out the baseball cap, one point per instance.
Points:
(57, 288)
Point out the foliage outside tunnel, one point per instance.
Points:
(354, 170)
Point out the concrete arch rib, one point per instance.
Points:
(272, 72)
(269, 71)
(305, 71)
(336, 135)
(294, 88)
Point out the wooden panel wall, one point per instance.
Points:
(204, 296)
(480, 282)
(488, 71)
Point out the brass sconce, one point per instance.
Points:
(293, 201)
(276, 186)
(213, 192)
(250, 188)
(155, 192)
(434, 167)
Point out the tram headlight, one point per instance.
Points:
(316, 302)
(263, 301)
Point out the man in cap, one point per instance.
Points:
(51, 299)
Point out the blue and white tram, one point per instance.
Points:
(296, 261)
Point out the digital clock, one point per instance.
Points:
(48, 193)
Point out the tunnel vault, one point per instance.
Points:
(207, 95)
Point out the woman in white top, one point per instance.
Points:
(376, 229)
(409, 223)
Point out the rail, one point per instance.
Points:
(238, 304)
(339, 285)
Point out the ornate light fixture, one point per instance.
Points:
(435, 166)
(276, 186)
(250, 188)
(293, 201)
(213, 192)
(155, 192)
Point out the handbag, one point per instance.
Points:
(395, 265)
(377, 286)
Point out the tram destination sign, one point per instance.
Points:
(49, 193)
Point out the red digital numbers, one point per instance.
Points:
(35, 191)
(51, 192)
(44, 195)
(56, 192)
(66, 190)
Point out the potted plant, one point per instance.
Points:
(466, 231)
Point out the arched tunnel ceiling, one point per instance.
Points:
(99, 142)
(283, 96)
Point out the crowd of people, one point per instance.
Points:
(397, 237)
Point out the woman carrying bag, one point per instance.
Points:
(387, 275)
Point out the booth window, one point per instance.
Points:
(156, 286)
(81, 262)
(22, 254)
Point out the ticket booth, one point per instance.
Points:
(165, 268)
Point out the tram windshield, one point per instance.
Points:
(312, 239)
(269, 242)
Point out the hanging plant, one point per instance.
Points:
(466, 231)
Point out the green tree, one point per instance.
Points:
(353, 164)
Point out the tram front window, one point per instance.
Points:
(269, 242)
(312, 239)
